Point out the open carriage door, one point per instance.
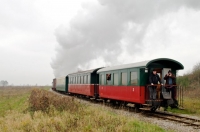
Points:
(164, 72)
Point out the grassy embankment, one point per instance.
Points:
(191, 95)
(41, 110)
(191, 102)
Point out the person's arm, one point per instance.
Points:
(172, 76)
(166, 77)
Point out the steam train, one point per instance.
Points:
(123, 84)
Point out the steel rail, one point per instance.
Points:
(178, 118)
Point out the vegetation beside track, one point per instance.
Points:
(191, 95)
(41, 110)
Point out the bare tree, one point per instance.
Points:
(4, 83)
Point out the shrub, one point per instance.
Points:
(43, 100)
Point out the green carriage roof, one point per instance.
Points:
(168, 63)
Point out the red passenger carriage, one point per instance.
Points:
(84, 83)
(129, 82)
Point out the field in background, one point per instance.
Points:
(14, 98)
(28, 109)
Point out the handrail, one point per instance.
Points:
(166, 85)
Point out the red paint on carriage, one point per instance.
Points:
(134, 94)
(83, 89)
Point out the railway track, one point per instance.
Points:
(175, 117)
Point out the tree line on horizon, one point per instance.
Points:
(3, 83)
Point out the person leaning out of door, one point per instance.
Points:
(153, 79)
(170, 80)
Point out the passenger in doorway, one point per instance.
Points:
(154, 79)
(170, 80)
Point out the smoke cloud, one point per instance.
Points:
(109, 32)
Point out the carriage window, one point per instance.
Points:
(85, 79)
(108, 79)
(101, 79)
(76, 80)
(134, 78)
(88, 79)
(124, 78)
(81, 80)
(115, 79)
(72, 80)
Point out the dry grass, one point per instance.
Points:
(192, 101)
(42, 111)
(43, 100)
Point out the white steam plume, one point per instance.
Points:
(105, 32)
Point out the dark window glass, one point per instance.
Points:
(124, 78)
(116, 79)
(100, 76)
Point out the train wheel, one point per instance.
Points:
(153, 109)
(137, 108)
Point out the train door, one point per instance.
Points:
(164, 72)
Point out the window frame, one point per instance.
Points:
(129, 76)
(123, 71)
(102, 80)
(109, 82)
(118, 79)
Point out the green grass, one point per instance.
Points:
(13, 99)
(13, 103)
(191, 103)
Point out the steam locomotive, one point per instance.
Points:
(123, 84)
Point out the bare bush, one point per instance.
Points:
(43, 100)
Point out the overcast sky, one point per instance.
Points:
(41, 39)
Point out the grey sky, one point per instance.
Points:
(41, 39)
